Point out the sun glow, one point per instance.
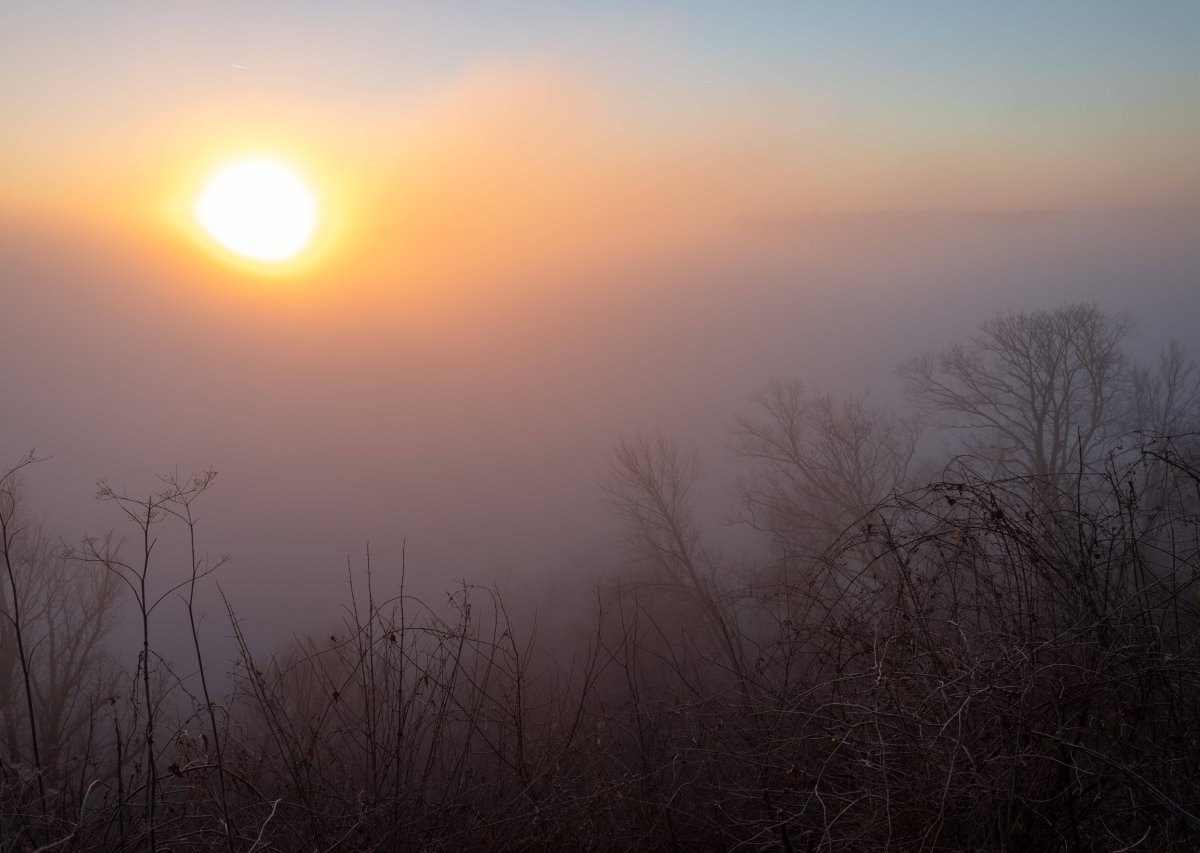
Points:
(258, 209)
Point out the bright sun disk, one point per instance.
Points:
(258, 209)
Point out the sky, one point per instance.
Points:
(927, 105)
(544, 226)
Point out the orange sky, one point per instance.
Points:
(535, 160)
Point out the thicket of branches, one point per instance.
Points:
(977, 659)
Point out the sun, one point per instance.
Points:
(259, 209)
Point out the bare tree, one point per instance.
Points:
(818, 463)
(56, 615)
(650, 490)
(1166, 400)
(54, 670)
(1040, 391)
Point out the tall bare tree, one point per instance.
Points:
(819, 463)
(1038, 391)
